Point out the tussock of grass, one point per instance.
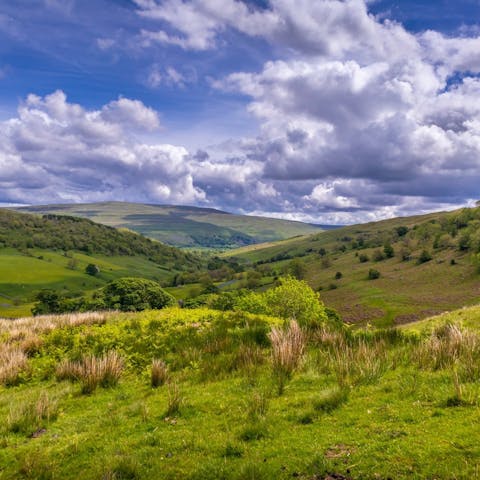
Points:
(159, 373)
(13, 361)
(27, 418)
(449, 345)
(360, 363)
(288, 346)
(93, 371)
(257, 405)
(175, 400)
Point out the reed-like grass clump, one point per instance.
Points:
(93, 371)
(28, 418)
(13, 361)
(450, 345)
(159, 373)
(175, 400)
(288, 346)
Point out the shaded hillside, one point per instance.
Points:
(184, 226)
(60, 232)
(426, 264)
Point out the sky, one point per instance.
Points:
(325, 111)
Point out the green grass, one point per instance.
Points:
(22, 276)
(184, 226)
(230, 423)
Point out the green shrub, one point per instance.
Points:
(424, 257)
(133, 294)
(373, 274)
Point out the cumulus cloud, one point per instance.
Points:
(54, 150)
(369, 104)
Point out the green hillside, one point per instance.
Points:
(53, 251)
(82, 398)
(410, 286)
(184, 226)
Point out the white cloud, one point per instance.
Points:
(169, 76)
(105, 43)
(58, 151)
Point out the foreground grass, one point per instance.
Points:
(362, 406)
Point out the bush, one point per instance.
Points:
(424, 257)
(292, 300)
(92, 269)
(373, 274)
(338, 275)
(133, 294)
(363, 258)
(388, 251)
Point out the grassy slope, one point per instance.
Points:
(184, 226)
(25, 268)
(405, 291)
(397, 425)
(22, 276)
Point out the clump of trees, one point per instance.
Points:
(125, 294)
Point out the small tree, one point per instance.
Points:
(72, 264)
(424, 257)
(92, 269)
(373, 274)
(338, 275)
(388, 250)
(363, 257)
(48, 301)
(297, 268)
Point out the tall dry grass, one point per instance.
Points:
(93, 371)
(22, 328)
(288, 346)
(358, 362)
(159, 373)
(13, 361)
(448, 346)
(175, 400)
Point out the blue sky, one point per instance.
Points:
(332, 111)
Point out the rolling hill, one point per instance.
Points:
(53, 251)
(432, 266)
(184, 226)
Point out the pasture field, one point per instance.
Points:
(22, 276)
(369, 404)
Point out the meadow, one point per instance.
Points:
(204, 394)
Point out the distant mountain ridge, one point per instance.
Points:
(184, 226)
